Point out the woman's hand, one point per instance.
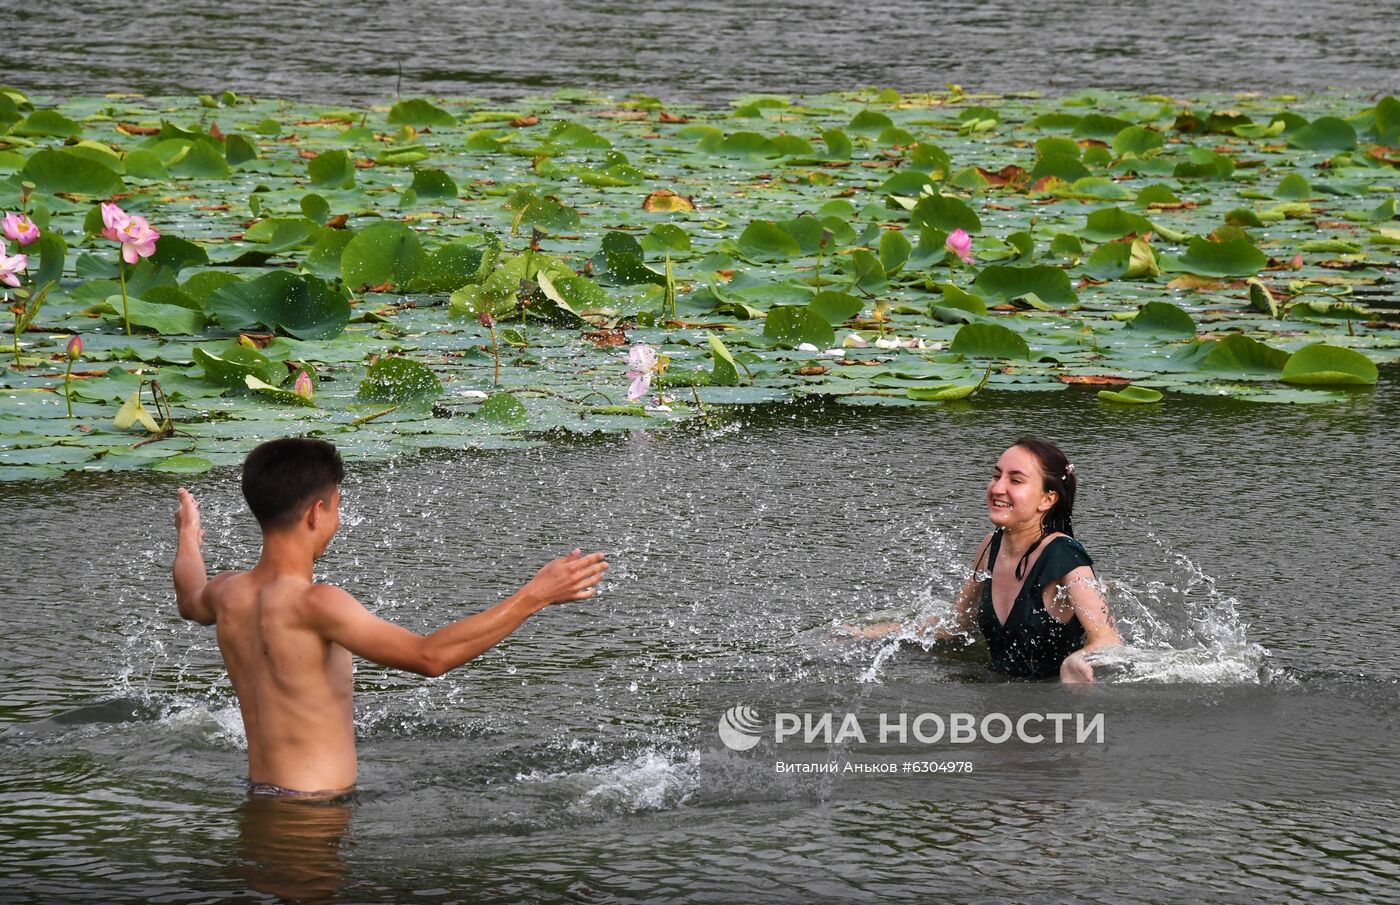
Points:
(1075, 668)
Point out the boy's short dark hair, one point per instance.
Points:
(280, 478)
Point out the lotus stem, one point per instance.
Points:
(121, 276)
(67, 387)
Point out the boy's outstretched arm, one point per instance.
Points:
(189, 573)
(339, 617)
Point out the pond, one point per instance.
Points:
(576, 760)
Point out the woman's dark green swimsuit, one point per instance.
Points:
(1032, 643)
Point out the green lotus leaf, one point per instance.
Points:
(1232, 258)
(834, 307)
(1379, 214)
(1293, 187)
(989, 341)
(1109, 223)
(1320, 364)
(239, 149)
(51, 252)
(792, 325)
(620, 261)
(944, 212)
(1099, 126)
(1326, 133)
(400, 381)
(947, 392)
(47, 123)
(453, 266)
(1239, 354)
(167, 320)
(62, 171)
(725, 372)
(418, 112)
(894, 251)
(1138, 141)
(228, 368)
(1163, 319)
(182, 464)
(1131, 395)
(201, 161)
(433, 184)
(1003, 283)
(549, 215)
(1054, 164)
(332, 170)
(141, 164)
(764, 240)
(1386, 124)
(838, 145)
(382, 253)
(301, 306)
(503, 409)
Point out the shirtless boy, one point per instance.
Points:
(287, 642)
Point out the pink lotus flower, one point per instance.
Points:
(75, 348)
(11, 266)
(19, 228)
(641, 363)
(960, 244)
(138, 239)
(303, 386)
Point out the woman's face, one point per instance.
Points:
(1016, 495)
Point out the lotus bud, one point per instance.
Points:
(960, 244)
(75, 348)
(486, 319)
(303, 386)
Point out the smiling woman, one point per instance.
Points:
(1038, 606)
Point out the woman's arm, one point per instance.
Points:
(1094, 616)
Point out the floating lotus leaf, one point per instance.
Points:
(1137, 140)
(418, 112)
(791, 325)
(989, 341)
(400, 381)
(201, 161)
(1238, 353)
(725, 372)
(1326, 133)
(228, 368)
(332, 170)
(944, 212)
(766, 241)
(1131, 395)
(182, 464)
(433, 184)
(504, 410)
(302, 306)
(1321, 364)
(1232, 258)
(834, 307)
(382, 253)
(62, 171)
(1005, 283)
(1163, 319)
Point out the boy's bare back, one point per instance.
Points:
(287, 642)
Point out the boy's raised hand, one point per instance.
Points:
(570, 577)
(187, 516)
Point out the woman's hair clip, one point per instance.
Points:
(1069, 469)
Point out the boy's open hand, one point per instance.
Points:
(570, 577)
(187, 517)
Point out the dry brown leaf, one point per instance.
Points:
(521, 122)
(133, 129)
(604, 339)
(811, 371)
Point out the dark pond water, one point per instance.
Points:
(1245, 545)
(708, 50)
